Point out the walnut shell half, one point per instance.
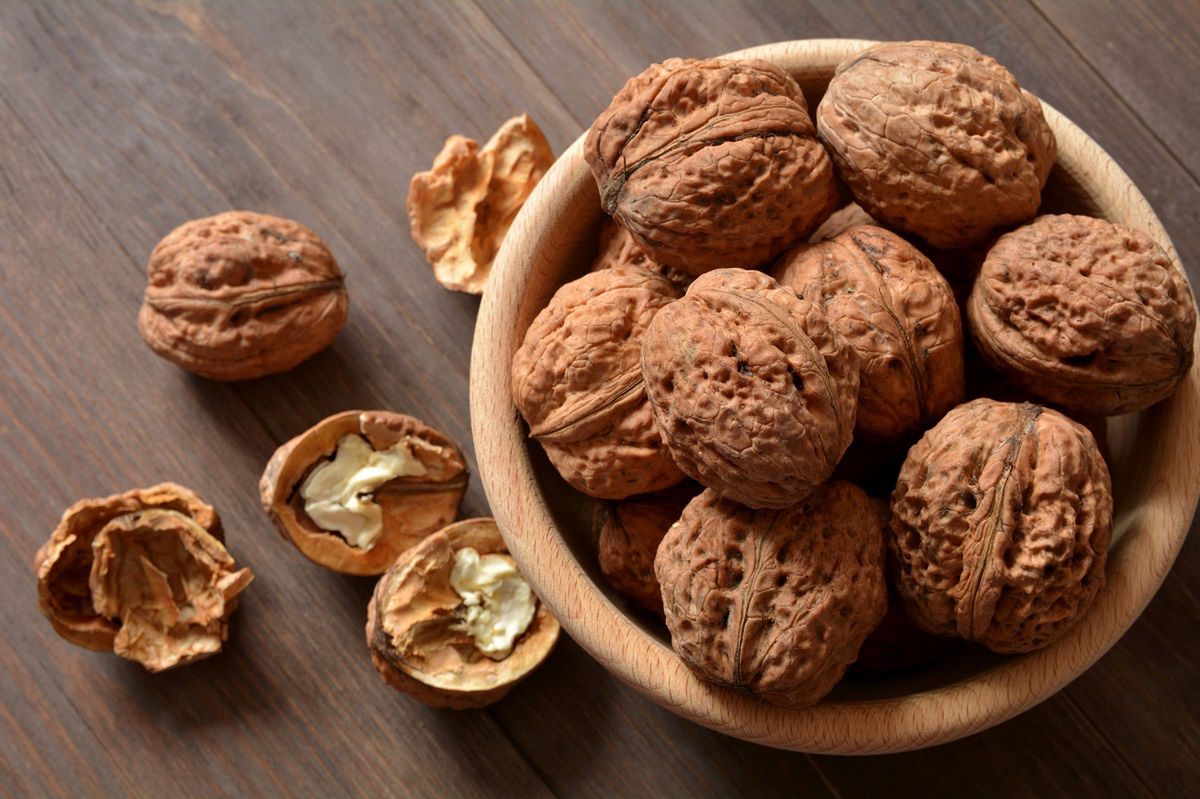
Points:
(143, 573)
(241, 295)
(1083, 313)
(411, 626)
(711, 163)
(774, 601)
(576, 380)
(413, 506)
(753, 389)
(936, 139)
(892, 305)
(1000, 526)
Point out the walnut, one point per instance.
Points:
(617, 248)
(460, 210)
(889, 301)
(434, 615)
(753, 390)
(774, 601)
(840, 221)
(1083, 313)
(937, 140)
(1000, 527)
(144, 574)
(576, 379)
(630, 532)
(241, 295)
(711, 163)
(360, 487)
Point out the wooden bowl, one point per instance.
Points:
(1155, 466)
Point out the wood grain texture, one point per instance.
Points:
(118, 120)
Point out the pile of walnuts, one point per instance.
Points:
(719, 339)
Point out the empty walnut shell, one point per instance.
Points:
(1000, 527)
(711, 163)
(774, 601)
(888, 300)
(412, 506)
(630, 532)
(1083, 313)
(576, 379)
(241, 295)
(936, 139)
(411, 618)
(753, 390)
(143, 573)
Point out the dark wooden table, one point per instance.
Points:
(118, 121)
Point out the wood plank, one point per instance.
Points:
(1148, 51)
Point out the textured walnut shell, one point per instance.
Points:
(576, 380)
(460, 210)
(64, 562)
(409, 619)
(1085, 314)
(91, 542)
(892, 305)
(168, 583)
(241, 295)
(617, 248)
(1000, 527)
(413, 506)
(711, 163)
(840, 221)
(936, 139)
(630, 532)
(753, 390)
(774, 601)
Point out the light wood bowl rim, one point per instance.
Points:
(1152, 535)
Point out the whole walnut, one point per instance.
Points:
(1083, 313)
(890, 302)
(774, 601)
(936, 139)
(241, 295)
(753, 389)
(630, 532)
(711, 163)
(576, 379)
(1000, 526)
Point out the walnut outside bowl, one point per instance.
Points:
(547, 526)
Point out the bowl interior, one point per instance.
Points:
(551, 529)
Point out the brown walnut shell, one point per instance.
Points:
(77, 566)
(840, 221)
(409, 626)
(617, 248)
(774, 601)
(630, 532)
(413, 506)
(577, 382)
(1083, 313)
(937, 140)
(1000, 527)
(753, 389)
(711, 163)
(241, 295)
(890, 302)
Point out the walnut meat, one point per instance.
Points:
(753, 389)
(419, 625)
(360, 487)
(711, 163)
(630, 532)
(1000, 527)
(576, 379)
(936, 139)
(1083, 313)
(241, 295)
(774, 601)
(890, 302)
(461, 209)
(144, 574)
